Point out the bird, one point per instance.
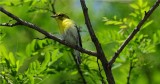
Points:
(70, 33)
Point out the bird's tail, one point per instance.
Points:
(77, 56)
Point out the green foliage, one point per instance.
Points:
(141, 51)
(26, 60)
(37, 62)
(130, 22)
(45, 61)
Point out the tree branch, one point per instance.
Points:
(130, 37)
(48, 35)
(100, 53)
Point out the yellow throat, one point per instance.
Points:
(65, 24)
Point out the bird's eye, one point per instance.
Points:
(61, 15)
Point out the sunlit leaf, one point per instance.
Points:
(133, 14)
(118, 23)
(124, 19)
(115, 17)
(12, 59)
(123, 27)
(113, 23)
(4, 52)
(105, 19)
(147, 24)
(116, 65)
(46, 61)
(140, 3)
(17, 65)
(155, 38)
(33, 45)
(28, 50)
(134, 6)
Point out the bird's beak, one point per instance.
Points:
(54, 16)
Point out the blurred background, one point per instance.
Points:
(112, 21)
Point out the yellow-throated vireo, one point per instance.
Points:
(70, 32)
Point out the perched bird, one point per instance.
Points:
(70, 32)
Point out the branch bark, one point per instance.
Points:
(48, 35)
(100, 53)
(130, 37)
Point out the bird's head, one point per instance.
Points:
(60, 16)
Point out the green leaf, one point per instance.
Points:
(123, 27)
(133, 14)
(46, 61)
(118, 23)
(17, 65)
(116, 65)
(10, 79)
(3, 52)
(145, 4)
(134, 6)
(26, 63)
(105, 19)
(155, 38)
(140, 3)
(33, 45)
(12, 59)
(113, 23)
(28, 50)
(7, 3)
(147, 24)
(31, 78)
(55, 55)
(124, 19)
(115, 17)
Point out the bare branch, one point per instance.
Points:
(48, 35)
(100, 52)
(147, 14)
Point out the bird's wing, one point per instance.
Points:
(71, 35)
(79, 35)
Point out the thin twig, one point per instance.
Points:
(130, 70)
(79, 69)
(147, 14)
(53, 7)
(48, 35)
(100, 52)
(102, 79)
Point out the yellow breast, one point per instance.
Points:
(66, 24)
